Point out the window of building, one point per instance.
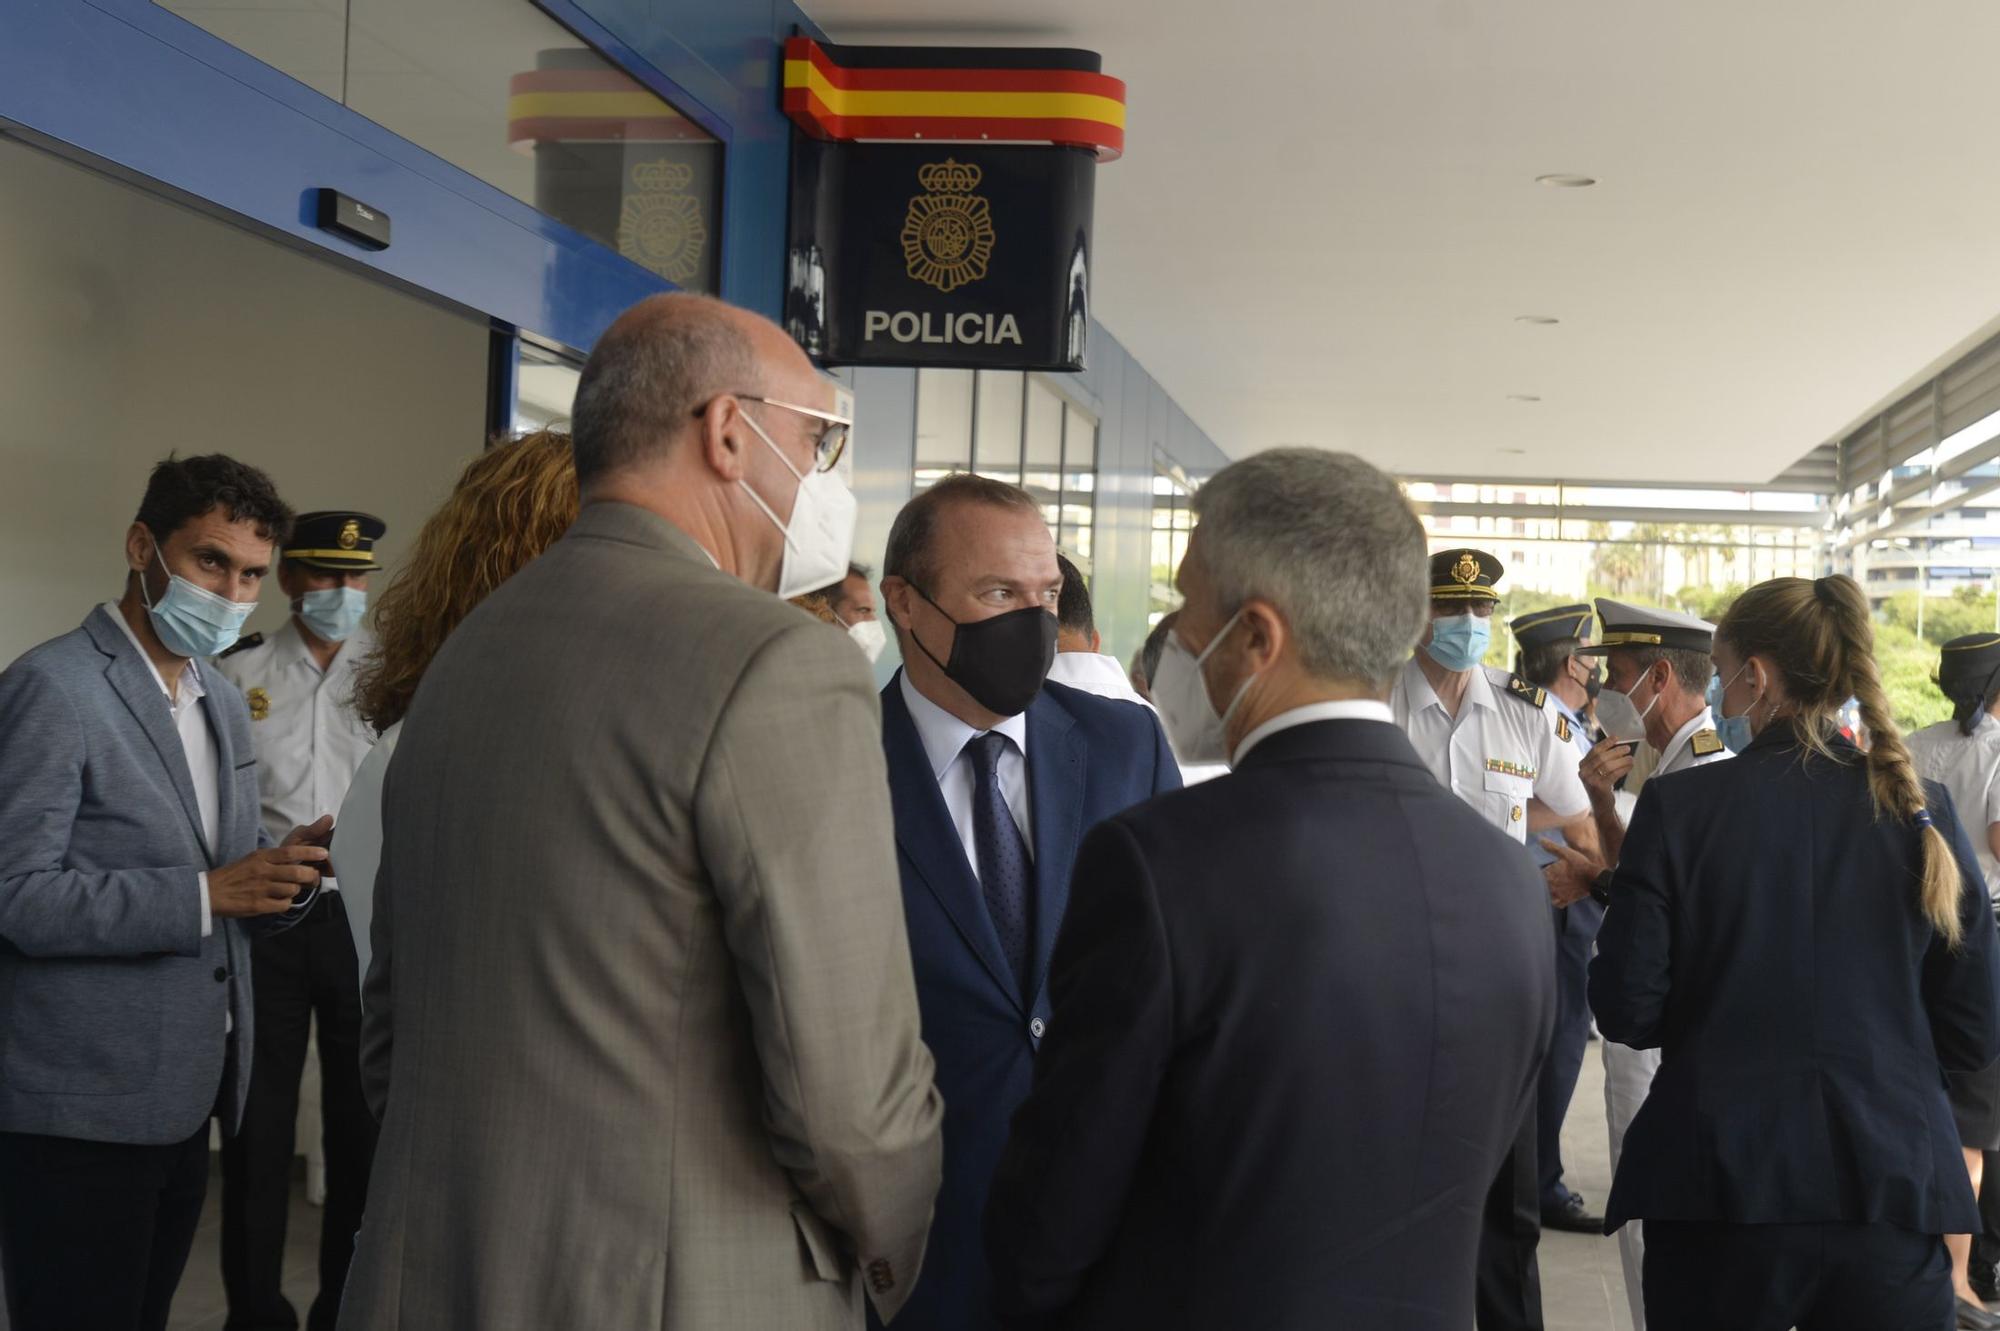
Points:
(1016, 428)
(501, 90)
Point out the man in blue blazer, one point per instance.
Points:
(994, 776)
(132, 875)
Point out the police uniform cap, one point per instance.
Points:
(1966, 664)
(1622, 625)
(1464, 574)
(1546, 626)
(335, 540)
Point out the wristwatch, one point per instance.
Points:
(1600, 888)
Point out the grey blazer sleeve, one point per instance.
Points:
(792, 810)
(46, 908)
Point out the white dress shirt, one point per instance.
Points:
(204, 759)
(1094, 672)
(1496, 754)
(1969, 767)
(944, 738)
(1354, 709)
(309, 740)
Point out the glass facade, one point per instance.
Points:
(1016, 428)
(501, 90)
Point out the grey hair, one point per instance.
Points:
(648, 375)
(1331, 542)
(1692, 669)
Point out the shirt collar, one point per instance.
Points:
(1683, 735)
(1478, 692)
(1350, 709)
(944, 736)
(190, 677)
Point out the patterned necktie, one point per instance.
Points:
(1003, 857)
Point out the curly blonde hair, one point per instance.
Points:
(509, 505)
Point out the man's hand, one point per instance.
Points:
(264, 882)
(315, 833)
(1571, 876)
(1608, 763)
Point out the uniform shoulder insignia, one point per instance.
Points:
(242, 644)
(1526, 692)
(1705, 743)
(1563, 731)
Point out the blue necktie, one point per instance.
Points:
(1004, 872)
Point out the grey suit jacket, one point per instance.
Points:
(640, 1021)
(112, 1004)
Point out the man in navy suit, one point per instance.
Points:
(995, 776)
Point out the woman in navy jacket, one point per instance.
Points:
(1804, 933)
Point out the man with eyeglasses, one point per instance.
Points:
(640, 1019)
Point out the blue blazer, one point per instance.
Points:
(1088, 758)
(1764, 934)
(112, 1004)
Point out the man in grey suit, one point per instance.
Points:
(640, 1019)
(132, 875)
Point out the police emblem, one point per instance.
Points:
(1466, 570)
(948, 233)
(660, 226)
(260, 704)
(350, 535)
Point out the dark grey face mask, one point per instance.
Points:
(1000, 662)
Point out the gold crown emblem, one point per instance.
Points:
(350, 535)
(949, 177)
(663, 175)
(1466, 570)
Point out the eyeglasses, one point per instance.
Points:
(831, 442)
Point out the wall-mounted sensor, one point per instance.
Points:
(353, 219)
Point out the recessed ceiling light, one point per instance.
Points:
(1536, 319)
(1562, 181)
(1523, 397)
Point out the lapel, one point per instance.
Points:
(1056, 755)
(924, 831)
(225, 767)
(132, 679)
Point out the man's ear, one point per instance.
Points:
(138, 546)
(722, 428)
(1265, 633)
(1096, 640)
(897, 596)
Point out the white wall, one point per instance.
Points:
(131, 327)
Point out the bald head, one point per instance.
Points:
(659, 364)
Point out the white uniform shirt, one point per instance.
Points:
(944, 738)
(1968, 766)
(204, 759)
(1682, 752)
(1496, 753)
(309, 739)
(1094, 672)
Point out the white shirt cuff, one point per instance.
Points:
(207, 915)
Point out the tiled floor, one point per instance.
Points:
(1583, 1288)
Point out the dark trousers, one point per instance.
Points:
(94, 1235)
(1716, 1277)
(1508, 1291)
(1986, 1244)
(1576, 933)
(309, 970)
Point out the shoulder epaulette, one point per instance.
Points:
(1563, 732)
(1526, 692)
(1705, 743)
(242, 644)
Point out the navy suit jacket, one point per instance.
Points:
(1764, 933)
(1088, 758)
(1299, 1011)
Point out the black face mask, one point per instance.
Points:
(1000, 662)
(1593, 686)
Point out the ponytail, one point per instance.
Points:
(1823, 641)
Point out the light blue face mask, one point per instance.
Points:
(1733, 731)
(193, 621)
(1459, 642)
(333, 613)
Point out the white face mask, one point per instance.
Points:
(870, 637)
(820, 537)
(1197, 732)
(1619, 717)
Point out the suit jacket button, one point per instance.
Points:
(221, 974)
(1038, 1028)
(881, 1276)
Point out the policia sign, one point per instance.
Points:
(948, 248)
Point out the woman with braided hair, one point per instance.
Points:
(1804, 934)
(1963, 756)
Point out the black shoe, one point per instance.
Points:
(1572, 1217)
(1973, 1318)
(1984, 1284)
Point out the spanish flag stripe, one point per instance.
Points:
(920, 104)
(620, 129)
(1076, 133)
(950, 80)
(635, 105)
(573, 80)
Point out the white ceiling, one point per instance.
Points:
(1325, 222)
